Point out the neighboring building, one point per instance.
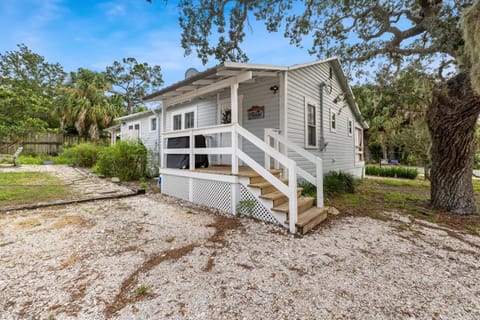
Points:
(301, 120)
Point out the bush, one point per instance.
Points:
(339, 182)
(333, 183)
(82, 155)
(391, 172)
(126, 160)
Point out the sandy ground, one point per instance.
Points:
(151, 257)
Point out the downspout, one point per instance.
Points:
(323, 144)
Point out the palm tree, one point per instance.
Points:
(84, 104)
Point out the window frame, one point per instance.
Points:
(309, 103)
(333, 121)
(182, 113)
(350, 127)
(156, 124)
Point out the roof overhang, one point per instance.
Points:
(136, 115)
(211, 80)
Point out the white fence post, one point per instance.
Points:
(319, 177)
(292, 198)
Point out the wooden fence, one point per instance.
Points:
(41, 143)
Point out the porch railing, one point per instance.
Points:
(237, 154)
(316, 180)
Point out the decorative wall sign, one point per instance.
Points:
(256, 112)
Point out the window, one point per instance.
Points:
(333, 121)
(310, 124)
(133, 131)
(350, 127)
(153, 124)
(359, 144)
(177, 122)
(182, 120)
(189, 120)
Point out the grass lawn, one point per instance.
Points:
(17, 188)
(374, 196)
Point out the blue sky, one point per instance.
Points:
(92, 34)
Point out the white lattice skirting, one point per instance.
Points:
(216, 195)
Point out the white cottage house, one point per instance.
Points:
(258, 129)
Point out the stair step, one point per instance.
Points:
(259, 178)
(266, 187)
(279, 198)
(303, 204)
(310, 219)
(253, 174)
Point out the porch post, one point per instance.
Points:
(319, 182)
(234, 105)
(162, 139)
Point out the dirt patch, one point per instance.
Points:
(27, 223)
(68, 221)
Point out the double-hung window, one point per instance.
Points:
(311, 124)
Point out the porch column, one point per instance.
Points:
(162, 139)
(234, 112)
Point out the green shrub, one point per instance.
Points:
(339, 182)
(126, 160)
(333, 183)
(392, 172)
(82, 155)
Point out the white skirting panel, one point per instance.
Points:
(217, 194)
(176, 186)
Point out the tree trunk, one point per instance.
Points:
(452, 117)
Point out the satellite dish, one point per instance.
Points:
(190, 72)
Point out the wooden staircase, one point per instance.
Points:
(308, 215)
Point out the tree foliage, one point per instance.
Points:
(395, 107)
(133, 81)
(27, 89)
(354, 30)
(85, 105)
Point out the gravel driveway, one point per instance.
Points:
(152, 257)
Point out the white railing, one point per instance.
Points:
(317, 162)
(237, 154)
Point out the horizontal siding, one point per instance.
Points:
(259, 94)
(305, 83)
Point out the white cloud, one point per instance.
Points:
(46, 11)
(113, 10)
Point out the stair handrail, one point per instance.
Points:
(317, 161)
(291, 190)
